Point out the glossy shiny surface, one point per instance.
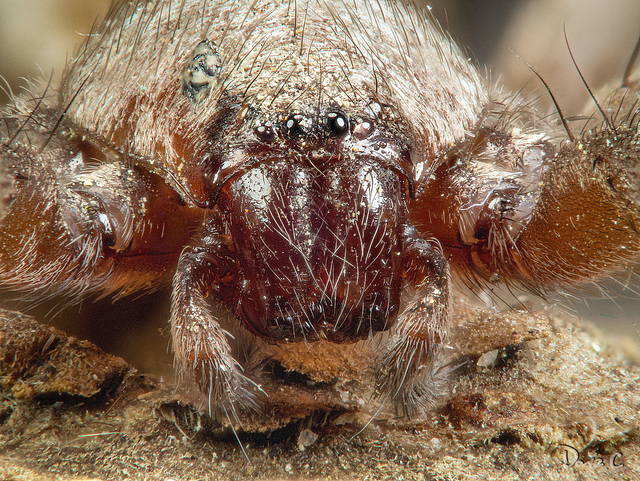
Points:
(317, 248)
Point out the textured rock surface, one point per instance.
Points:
(537, 398)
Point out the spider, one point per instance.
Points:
(312, 170)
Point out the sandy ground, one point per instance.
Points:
(535, 397)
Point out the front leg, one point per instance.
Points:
(408, 370)
(201, 345)
(515, 206)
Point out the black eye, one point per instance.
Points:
(265, 132)
(337, 124)
(293, 125)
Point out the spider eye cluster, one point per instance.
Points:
(335, 125)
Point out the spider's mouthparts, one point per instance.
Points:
(316, 250)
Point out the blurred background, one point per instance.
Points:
(38, 36)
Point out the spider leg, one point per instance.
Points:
(202, 348)
(519, 207)
(408, 367)
(78, 218)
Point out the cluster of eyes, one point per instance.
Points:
(336, 124)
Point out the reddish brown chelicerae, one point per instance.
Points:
(316, 169)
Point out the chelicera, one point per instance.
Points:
(316, 173)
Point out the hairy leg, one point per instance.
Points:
(408, 367)
(79, 217)
(201, 345)
(518, 206)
